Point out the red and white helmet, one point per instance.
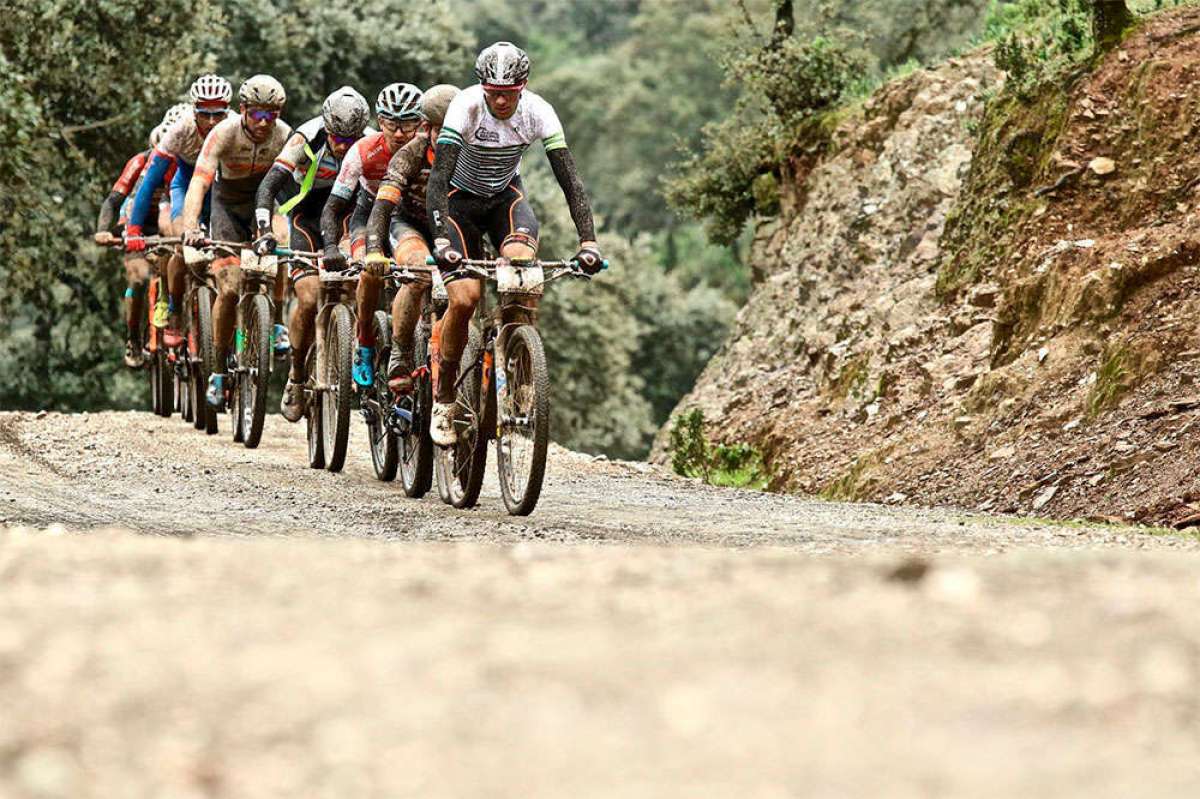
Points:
(211, 89)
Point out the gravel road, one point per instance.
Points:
(182, 617)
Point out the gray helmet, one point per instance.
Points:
(345, 112)
(503, 64)
(435, 101)
(400, 101)
(262, 91)
(211, 88)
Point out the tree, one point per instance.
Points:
(1110, 19)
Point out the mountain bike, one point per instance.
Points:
(398, 428)
(328, 387)
(503, 388)
(250, 361)
(156, 357)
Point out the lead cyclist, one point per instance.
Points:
(475, 189)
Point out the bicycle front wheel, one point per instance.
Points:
(255, 360)
(416, 448)
(460, 467)
(335, 404)
(206, 418)
(524, 421)
(379, 432)
(313, 413)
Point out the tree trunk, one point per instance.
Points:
(1110, 18)
(785, 21)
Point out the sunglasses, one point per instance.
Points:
(346, 140)
(212, 114)
(261, 115)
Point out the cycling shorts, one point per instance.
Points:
(504, 217)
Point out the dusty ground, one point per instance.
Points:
(638, 636)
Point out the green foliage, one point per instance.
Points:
(693, 455)
(1111, 383)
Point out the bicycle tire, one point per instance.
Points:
(338, 361)
(527, 397)
(463, 465)
(205, 297)
(155, 390)
(254, 383)
(166, 386)
(416, 449)
(385, 455)
(312, 414)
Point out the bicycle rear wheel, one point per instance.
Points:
(155, 388)
(207, 362)
(335, 404)
(461, 466)
(379, 433)
(416, 448)
(256, 360)
(524, 421)
(166, 384)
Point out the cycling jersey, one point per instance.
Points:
(130, 174)
(364, 165)
(407, 179)
(310, 138)
(240, 160)
(491, 147)
(181, 144)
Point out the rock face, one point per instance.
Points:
(848, 273)
(989, 304)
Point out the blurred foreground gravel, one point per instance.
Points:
(258, 629)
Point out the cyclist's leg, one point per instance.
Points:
(176, 268)
(137, 270)
(370, 283)
(466, 237)
(230, 222)
(410, 246)
(305, 236)
(513, 229)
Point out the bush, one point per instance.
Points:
(693, 455)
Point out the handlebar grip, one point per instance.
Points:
(430, 260)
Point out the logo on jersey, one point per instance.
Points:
(483, 134)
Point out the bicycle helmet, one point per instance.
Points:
(157, 134)
(174, 114)
(435, 101)
(502, 65)
(399, 101)
(211, 89)
(345, 112)
(262, 91)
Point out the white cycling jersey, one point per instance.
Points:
(492, 148)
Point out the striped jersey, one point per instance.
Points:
(492, 148)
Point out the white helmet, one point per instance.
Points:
(399, 101)
(211, 89)
(345, 112)
(502, 64)
(174, 114)
(262, 91)
(157, 134)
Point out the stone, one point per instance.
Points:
(1102, 166)
(1044, 498)
(1003, 454)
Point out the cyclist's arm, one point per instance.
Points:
(109, 210)
(143, 201)
(202, 178)
(331, 215)
(264, 200)
(563, 165)
(340, 195)
(381, 216)
(437, 198)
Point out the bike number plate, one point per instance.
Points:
(439, 286)
(522, 280)
(263, 265)
(193, 256)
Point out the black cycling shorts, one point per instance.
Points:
(503, 217)
(232, 218)
(305, 224)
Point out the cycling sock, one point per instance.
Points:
(129, 293)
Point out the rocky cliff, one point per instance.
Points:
(981, 300)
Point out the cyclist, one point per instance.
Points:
(475, 189)
(242, 148)
(399, 110)
(399, 214)
(306, 169)
(137, 268)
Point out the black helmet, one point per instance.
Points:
(502, 65)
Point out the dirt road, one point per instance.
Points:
(258, 629)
